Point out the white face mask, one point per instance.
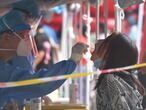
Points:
(24, 48)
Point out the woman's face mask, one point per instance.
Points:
(97, 63)
(131, 20)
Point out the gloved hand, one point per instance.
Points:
(24, 48)
(78, 50)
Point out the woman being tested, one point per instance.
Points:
(117, 90)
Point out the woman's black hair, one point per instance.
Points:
(120, 51)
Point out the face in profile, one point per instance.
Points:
(98, 54)
(117, 50)
(95, 51)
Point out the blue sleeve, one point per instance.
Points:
(23, 72)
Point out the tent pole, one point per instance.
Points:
(139, 28)
(105, 17)
(97, 19)
(119, 14)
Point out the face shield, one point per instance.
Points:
(29, 37)
(33, 32)
(33, 45)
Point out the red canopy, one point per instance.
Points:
(111, 16)
(56, 20)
